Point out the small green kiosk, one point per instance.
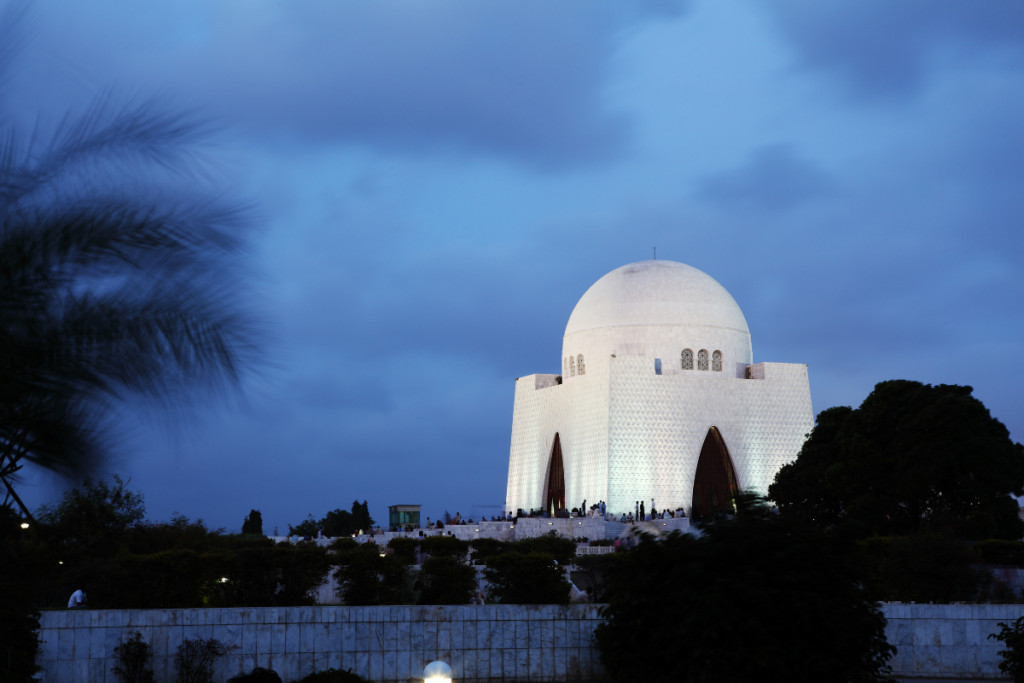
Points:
(402, 516)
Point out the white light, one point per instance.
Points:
(437, 672)
(550, 523)
(24, 525)
(60, 562)
(224, 580)
(382, 554)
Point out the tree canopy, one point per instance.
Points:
(754, 597)
(912, 458)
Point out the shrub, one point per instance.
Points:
(445, 581)
(344, 543)
(752, 597)
(482, 548)
(1000, 552)
(593, 573)
(1013, 656)
(562, 549)
(444, 546)
(925, 568)
(404, 548)
(526, 579)
(194, 659)
(133, 661)
(333, 676)
(367, 576)
(257, 675)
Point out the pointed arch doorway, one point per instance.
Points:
(714, 485)
(554, 480)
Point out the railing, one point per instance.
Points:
(585, 549)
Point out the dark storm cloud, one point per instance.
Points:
(518, 79)
(775, 179)
(883, 48)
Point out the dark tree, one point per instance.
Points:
(338, 523)
(526, 579)
(913, 457)
(361, 519)
(307, 527)
(445, 581)
(754, 597)
(253, 524)
(369, 576)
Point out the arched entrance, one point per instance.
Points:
(714, 485)
(554, 482)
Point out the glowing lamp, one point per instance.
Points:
(24, 525)
(437, 672)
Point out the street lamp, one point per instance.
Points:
(24, 525)
(437, 672)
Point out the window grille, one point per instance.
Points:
(687, 359)
(702, 359)
(716, 361)
(580, 368)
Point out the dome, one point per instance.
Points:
(656, 293)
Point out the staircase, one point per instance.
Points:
(613, 529)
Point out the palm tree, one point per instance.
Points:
(110, 289)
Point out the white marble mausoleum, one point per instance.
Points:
(659, 398)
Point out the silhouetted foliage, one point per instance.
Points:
(253, 523)
(995, 551)
(106, 293)
(335, 523)
(257, 675)
(369, 576)
(1013, 655)
(593, 574)
(361, 519)
(445, 581)
(562, 549)
(482, 548)
(444, 546)
(526, 579)
(194, 659)
(912, 458)
(333, 676)
(21, 574)
(134, 660)
(405, 548)
(925, 568)
(753, 598)
(92, 519)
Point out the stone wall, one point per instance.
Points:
(947, 641)
(481, 643)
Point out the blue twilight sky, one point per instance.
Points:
(437, 183)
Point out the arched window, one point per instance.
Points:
(579, 365)
(572, 366)
(702, 359)
(716, 361)
(565, 367)
(687, 359)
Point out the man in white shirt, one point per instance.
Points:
(77, 600)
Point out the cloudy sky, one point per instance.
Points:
(437, 183)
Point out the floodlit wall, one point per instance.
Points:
(630, 434)
(481, 643)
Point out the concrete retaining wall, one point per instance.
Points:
(481, 643)
(947, 641)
